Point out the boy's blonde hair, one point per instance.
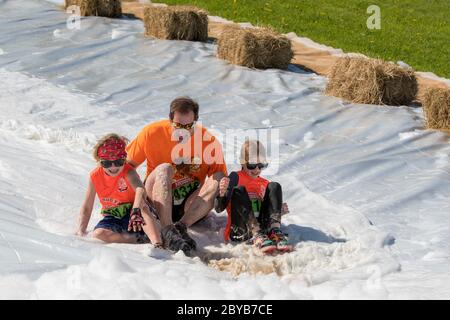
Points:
(103, 140)
(252, 151)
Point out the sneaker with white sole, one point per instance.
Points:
(263, 243)
(173, 240)
(182, 229)
(280, 240)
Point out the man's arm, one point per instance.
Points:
(136, 149)
(132, 163)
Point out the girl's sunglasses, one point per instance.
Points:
(260, 166)
(109, 163)
(188, 126)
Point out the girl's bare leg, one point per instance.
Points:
(109, 236)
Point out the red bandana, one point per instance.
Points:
(112, 149)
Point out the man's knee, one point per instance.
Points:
(164, 170)
(162, 177)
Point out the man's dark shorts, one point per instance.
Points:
(178, 210)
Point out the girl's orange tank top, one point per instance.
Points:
(112, 191)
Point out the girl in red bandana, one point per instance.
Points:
(126, 217)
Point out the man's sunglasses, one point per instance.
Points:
(188, 126)
(260, 166)
(109, 163)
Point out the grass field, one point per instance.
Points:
(414, 31)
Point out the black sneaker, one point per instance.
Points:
(173, 240)
(182, 229)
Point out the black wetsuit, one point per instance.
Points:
(242, 209)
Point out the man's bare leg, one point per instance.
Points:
(201, 202)
(159, 188)
(151, 227)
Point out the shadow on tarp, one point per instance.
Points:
(300, 233)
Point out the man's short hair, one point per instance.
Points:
(183, 105)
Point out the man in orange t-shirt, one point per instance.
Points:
(184, 166)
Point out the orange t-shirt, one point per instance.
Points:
(157, 141)
(112, 191)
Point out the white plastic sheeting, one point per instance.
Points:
(368, 188)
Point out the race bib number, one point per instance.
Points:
(118, 212)
(182, 190)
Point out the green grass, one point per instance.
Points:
(414, 31)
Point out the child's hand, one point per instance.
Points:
(81, 233)
(136, 221)
(223, 186)
(284, 208)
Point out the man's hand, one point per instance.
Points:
(136, 220)
(223, 186)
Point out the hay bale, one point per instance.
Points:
(176, 23)
(259, 48)
(372, 81)
(101, 8)
(436, 107)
